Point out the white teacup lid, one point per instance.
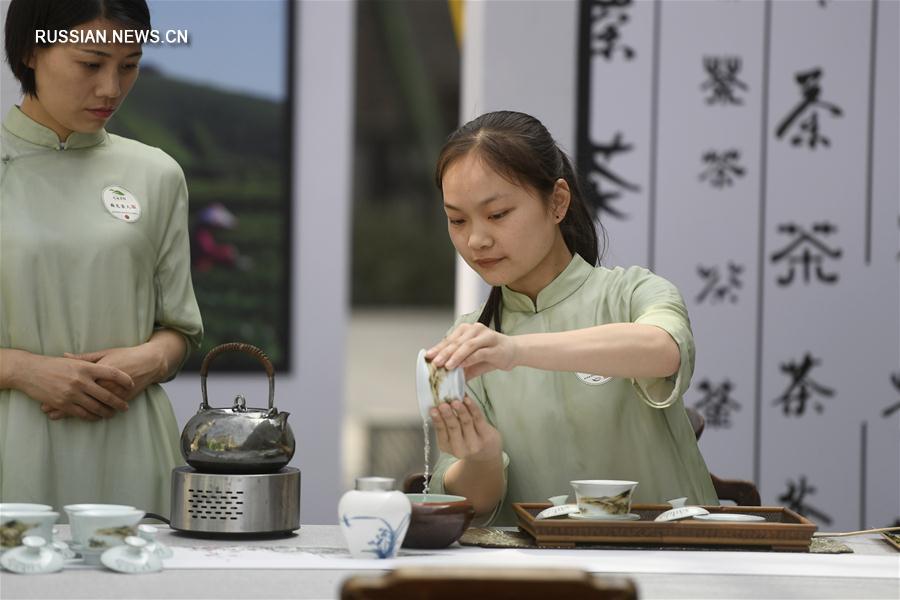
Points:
(681, 512)
(148, 532)
(452, 387)
(32, 557)
(729, 517)
(131, 557)
(557, 511)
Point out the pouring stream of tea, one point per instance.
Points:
(425, 430)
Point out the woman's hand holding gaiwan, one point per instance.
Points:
(462, 430)
(475, 348)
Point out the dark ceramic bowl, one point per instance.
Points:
(438, 522)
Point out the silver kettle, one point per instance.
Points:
(238, 439)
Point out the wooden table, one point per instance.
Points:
(647, 568)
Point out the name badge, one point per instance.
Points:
(121, 204)
(592, 379)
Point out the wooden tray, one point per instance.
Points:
(892, 538)
(783, 530)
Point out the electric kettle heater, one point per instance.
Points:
(237, 482)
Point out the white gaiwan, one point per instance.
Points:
(16, 524)
(436, 385)
(604, 499)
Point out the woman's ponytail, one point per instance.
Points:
(577, 227)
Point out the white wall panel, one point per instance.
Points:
(686, 83)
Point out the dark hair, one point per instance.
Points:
(519, 147)
(24, 17)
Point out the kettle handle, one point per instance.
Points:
(238, 347)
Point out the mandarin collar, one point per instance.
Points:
(22, 126)
(564, 285)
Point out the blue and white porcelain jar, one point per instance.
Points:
(374, 518)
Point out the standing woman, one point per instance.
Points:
(575, 371)
(96, 301)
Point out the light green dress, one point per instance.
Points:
(74, 277)
(558, 426)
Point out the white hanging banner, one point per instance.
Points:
(746, 151)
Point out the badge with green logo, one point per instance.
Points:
(121, 203)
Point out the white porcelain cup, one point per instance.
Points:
(70, 508)
(94, 531)
(603, 497)
(16, 524)
(74, 508)
(5, 506)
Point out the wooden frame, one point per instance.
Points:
(437, 583)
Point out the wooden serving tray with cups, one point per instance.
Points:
(780, 529)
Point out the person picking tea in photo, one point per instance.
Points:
(574, 370)
(96, 301)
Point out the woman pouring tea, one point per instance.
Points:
(96, 301)
(575, 370)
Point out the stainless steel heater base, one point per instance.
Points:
(229, 504)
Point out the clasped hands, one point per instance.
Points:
(94, 385)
